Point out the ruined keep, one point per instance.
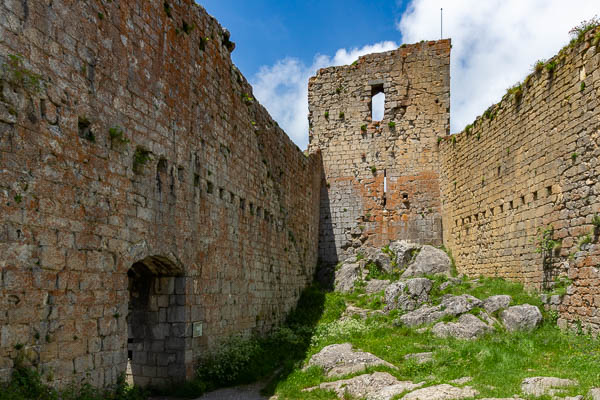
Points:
(381, 178)
(517, 191)
(150, 207)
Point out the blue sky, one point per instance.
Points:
(281, 44)
(269, 30)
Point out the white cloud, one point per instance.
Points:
(494, 43)
(283, 88)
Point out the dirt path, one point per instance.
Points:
(246, 392)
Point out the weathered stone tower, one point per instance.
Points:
(381, 178)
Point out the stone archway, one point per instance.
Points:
(156, 323)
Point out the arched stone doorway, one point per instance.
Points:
(156, 322)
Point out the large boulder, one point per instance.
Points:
(495, 303)
(407, 295)
(456, 305)
(594, 394)
(379, 258)
(467, 327)
(346, 276)
(441, 392)
(450, 305)
(524, 317)
(424, 315)
(375, 386)
(429, 261)
(404, 251)
(376, 285)
(544, 385)
(340, 359)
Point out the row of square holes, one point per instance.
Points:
(510, 207)
(269, 217)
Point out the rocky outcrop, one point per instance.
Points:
(346, 277)
(495, 303)
(341, 359)
(545, 385)
(407, 295)
(429, 261)
(441, 392)
(467, 327)
(524, 317)
(375, 386)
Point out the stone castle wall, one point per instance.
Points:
(530, 162)
(381, 178)
(149, 206)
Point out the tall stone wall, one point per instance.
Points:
(529, 165)
(149, 206)
(381, 178)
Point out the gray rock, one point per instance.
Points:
(461, 381)
(407, 295)
(420, 358)
(594, 394)
(451, 305)
(429, 261)
(363, 313)
(495, 303)
(544, 385)
(375, 386)
(468, 327)
(441, 392)
(404, 251)
(424, 315)
(340, 359)
(378, 257)
(524, 317)
(456, 305)
(346, 277)
(376, 285)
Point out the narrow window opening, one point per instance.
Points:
(377, 102)
(535, 195)
(512, 205)
(548, 190)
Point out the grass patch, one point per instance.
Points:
(497, 363)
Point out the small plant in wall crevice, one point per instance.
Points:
(373, 169)
(140, 158)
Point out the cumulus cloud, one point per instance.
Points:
(494, 43)
(283, 87)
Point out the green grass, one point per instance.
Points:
(497, 362)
